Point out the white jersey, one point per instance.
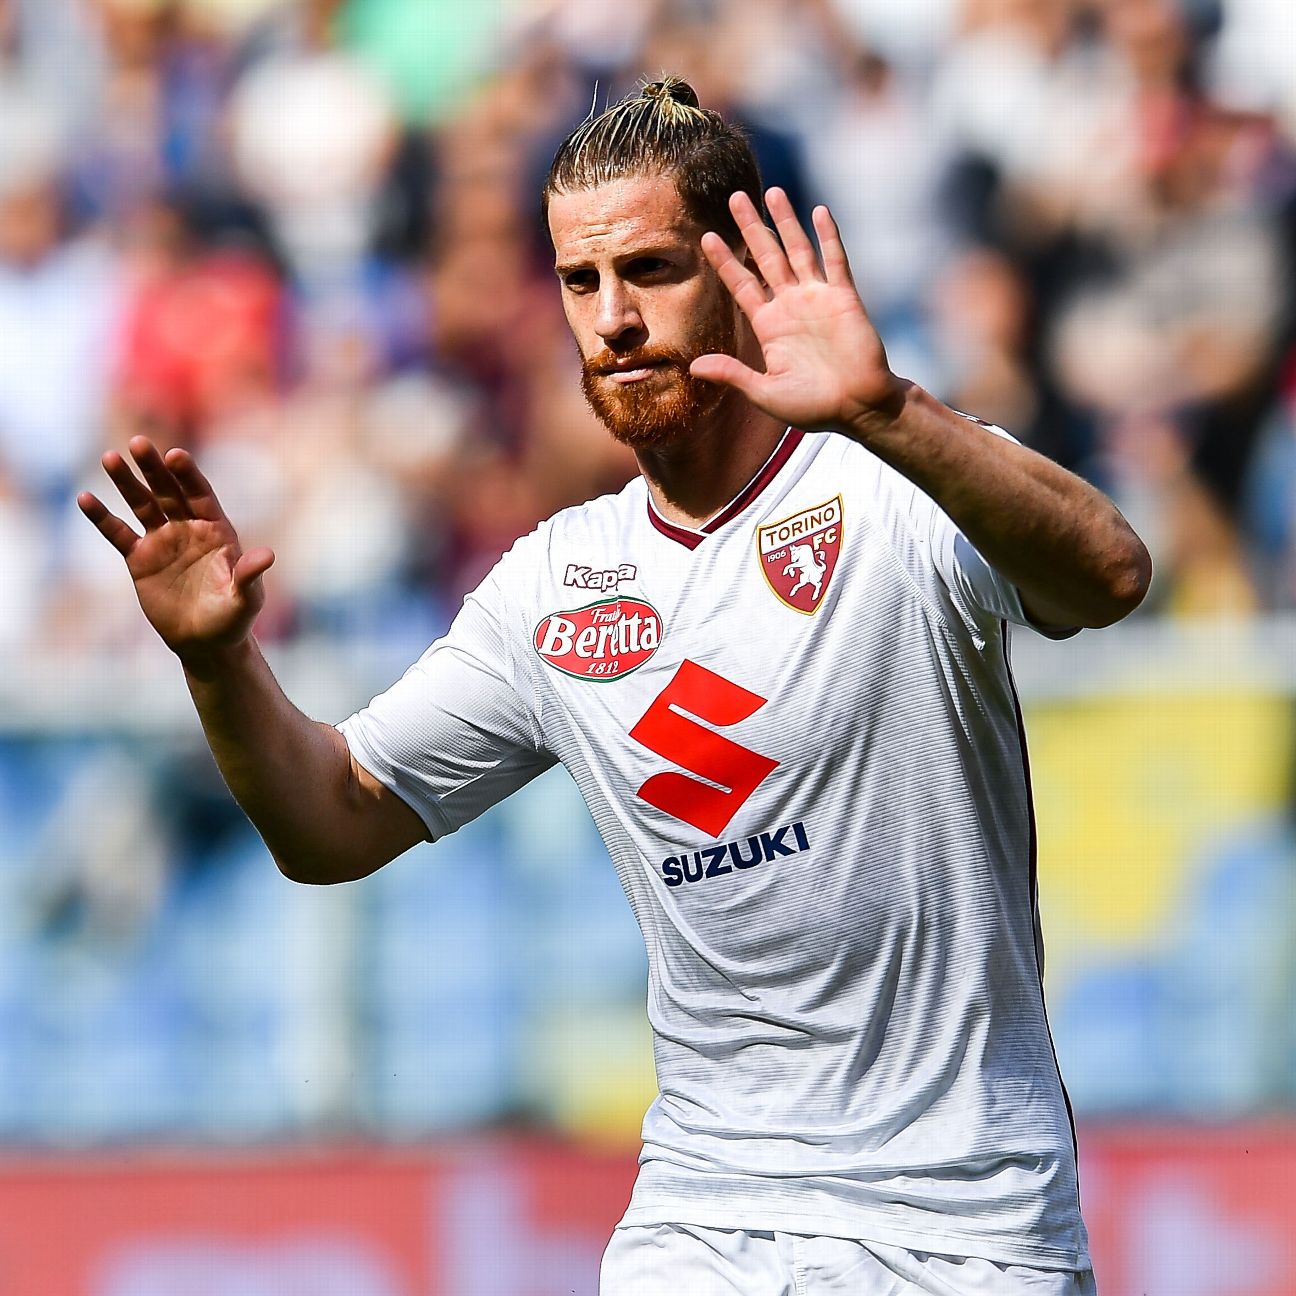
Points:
(797, 734)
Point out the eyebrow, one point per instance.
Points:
(665, 251)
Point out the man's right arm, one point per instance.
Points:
(323, 817)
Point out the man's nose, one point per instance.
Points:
(618, 315)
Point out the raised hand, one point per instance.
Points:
(197, 587)
(825, 366)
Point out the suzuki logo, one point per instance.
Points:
(670, 727)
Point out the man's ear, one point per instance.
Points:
(748, 259)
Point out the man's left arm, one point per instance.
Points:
(1063, 543)
(1073, 557)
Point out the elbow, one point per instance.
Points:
(294, 867)
(314, 869)
(298, 867)
(1128, 579)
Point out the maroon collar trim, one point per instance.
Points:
(681, 535)
(690, 538)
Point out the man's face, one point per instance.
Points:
(642, 302)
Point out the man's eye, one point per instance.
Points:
(644, 266)
(579, 281)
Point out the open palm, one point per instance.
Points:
(825, 365)
(196, 586)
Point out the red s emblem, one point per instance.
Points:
(669, 729)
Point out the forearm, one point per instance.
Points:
(292, 776)
(1063, 543)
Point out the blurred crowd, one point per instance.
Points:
(301, 237)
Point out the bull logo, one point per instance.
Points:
(808, 565)
(799, 554)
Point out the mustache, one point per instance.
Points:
(607, 361)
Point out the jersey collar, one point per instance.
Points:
(691, 538)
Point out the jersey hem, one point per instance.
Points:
(949, 1243)
(362, 755)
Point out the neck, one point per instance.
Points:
(693, 479)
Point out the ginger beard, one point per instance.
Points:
(669, 403)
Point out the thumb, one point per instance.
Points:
(251, 565)
(720, 368)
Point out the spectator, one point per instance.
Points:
(312, 132)
(200, 334)
(59, 299)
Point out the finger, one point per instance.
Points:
(251, 565)
(111, 527)
(760, 239)
(725, 369)
(800, 251)
(744, 287)
(197, 489)
(836, 265)
(133, 491)
(161, 480)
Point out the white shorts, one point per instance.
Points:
(686, 1260)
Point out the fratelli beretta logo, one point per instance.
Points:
(601, 641)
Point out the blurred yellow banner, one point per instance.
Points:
(1130, 790)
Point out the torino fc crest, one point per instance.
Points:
(799, 554)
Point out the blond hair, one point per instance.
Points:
(662, 130)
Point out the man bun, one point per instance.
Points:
(672, 88)
(662, 129)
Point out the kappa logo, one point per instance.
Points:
(601, 641)
(593, 578)
(799, 554)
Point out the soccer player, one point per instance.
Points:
(776, 665)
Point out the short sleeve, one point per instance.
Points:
(454, 734)
(977, 589)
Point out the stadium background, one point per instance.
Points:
(301, 239)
